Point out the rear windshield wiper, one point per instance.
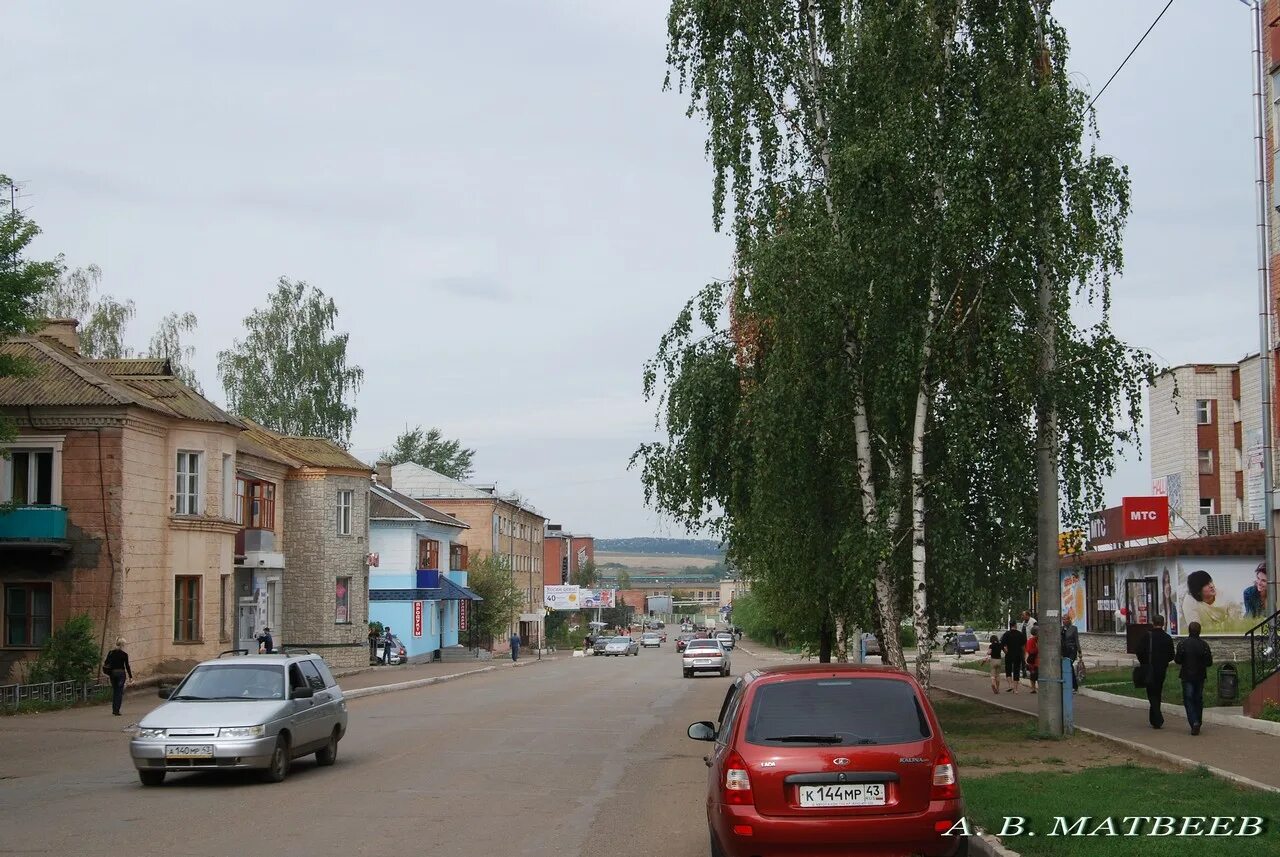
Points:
(808, 739)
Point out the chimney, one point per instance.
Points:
(384, 473)
(63, 330)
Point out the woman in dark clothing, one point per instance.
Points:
(116, 666)
(995, 657)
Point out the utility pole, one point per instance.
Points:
(1047, 580)
(1264, 298)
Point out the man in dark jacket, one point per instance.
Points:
(1155, 652)
(1196, 657)
(1014, 642)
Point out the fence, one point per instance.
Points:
(67, 692)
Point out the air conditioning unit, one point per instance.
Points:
(1217, 525)
(1247, 526)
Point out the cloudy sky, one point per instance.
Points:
(509, 210)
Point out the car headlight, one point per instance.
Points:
(150, 733)
(242, 732)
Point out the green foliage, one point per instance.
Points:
(1270, 711)
(71, 654)
(586, 575)
(166, 343)
(103, 319)
(431, 449)
(22, 281)
(623, 580)
(290, 372)
(490, 577)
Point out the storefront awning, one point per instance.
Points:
(446, 591)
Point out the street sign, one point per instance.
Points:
(417, 618)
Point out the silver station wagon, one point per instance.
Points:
(244, 711)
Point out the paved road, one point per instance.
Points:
(566, 757)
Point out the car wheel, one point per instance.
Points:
(688, 673)
(279, 767)
(724, 672)
(328, 754)
(151, 778)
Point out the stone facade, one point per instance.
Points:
(316, 556)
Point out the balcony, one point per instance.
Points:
(34, 528)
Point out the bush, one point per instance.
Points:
(70, 655)
(907, 636)
(1270, 711)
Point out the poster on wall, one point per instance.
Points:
(597, 598)
(1225, 594)
(561, 597)
(1073, 599)
(1253, 481)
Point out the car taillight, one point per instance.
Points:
(737, 784)
(946, 785)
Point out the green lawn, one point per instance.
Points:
(1119, 680)
(984, 737)
(1116, 792)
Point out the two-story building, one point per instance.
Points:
(119, 504)
(498, 525)
(311, 577)
(418, 588)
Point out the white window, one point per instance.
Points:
(186, 494)
(1204, 411)
(344, 512)
(228, 487)
(1206, 505)
(29, 477)
(1206, 461)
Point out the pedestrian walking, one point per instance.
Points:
(515, 647)
(1026, 623)
(1195, 657)
(266, 645)
(116, 666)
(1071, 648)
(1155, 653)
(995, 658)
(1014, 645)
(1033, 657)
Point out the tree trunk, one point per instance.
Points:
(824, 641)
(842, 640)
(919, 593)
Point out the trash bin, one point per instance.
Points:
(1228, 683)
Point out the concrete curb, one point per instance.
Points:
(410, 685)
(1182, 761)
(1239, 721)
(989, 846)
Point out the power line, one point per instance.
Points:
(1131, 53)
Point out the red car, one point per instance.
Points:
(829, 759)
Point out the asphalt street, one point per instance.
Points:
(571, 756)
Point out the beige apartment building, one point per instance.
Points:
(500, 525)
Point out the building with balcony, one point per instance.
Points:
(418, 586)
(118, 495)
(498, 524)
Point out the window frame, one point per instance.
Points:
(28, 616)
(428, 554)
(33, 448)
(187, 599)
(186, 500)
(343, 602)
(1208, 500)
(311, 675)
(1204, 412)
(345, 512)
(1205, 460)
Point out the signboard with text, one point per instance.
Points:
(417, 618)
(1145, 517)
(561, 597)
(464, 607)
(597, 598)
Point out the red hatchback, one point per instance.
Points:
(827, 759)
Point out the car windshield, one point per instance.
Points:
(232, 681)
(850, 711)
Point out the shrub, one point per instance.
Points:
(907, 636)
(71, 654)
(1270, 711)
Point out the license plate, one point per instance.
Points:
(704, 662)
(188, 751)
(862, 794)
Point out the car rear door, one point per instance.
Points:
(326, 702)
(887, 746)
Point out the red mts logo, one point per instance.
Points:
(1145, 517)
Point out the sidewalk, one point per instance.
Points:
(1241, 755)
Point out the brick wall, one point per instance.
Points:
(315, 557)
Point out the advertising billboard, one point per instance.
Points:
(1145, 517)
(597, 598)
(417, 618)
(561, 597)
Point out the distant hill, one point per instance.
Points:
(677, 547)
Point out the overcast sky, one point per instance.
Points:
(507, 208)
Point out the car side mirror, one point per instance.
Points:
(703, 731)
(303, 693)
(165, 692)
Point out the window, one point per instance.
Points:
(428, 554)
(224, 634)
(457, 557)
(1204, 411)
(344, 513)
(262, 506)
(862, 711)
(228, 487)
(496, 525)
(242, 490)
(312, 675)
(342, 602)
(28, 614)
(1206, 461)
(186, 495)
(186, 609)
(1206, 505)
(29, 477)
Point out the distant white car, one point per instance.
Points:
(622, 646)
(725, 638)
(651, 640)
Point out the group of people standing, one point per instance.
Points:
(1017, 653)
(1155, 652)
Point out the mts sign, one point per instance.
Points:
(1145, 517)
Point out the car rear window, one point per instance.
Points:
(831, 711)
(705, 644)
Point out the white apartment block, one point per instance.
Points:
(1206, 446)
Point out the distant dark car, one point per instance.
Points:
(871, 644)
(964, 643)
(682, 642)
(600, 643)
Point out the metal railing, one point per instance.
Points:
(66, 692)
(1264, 647)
